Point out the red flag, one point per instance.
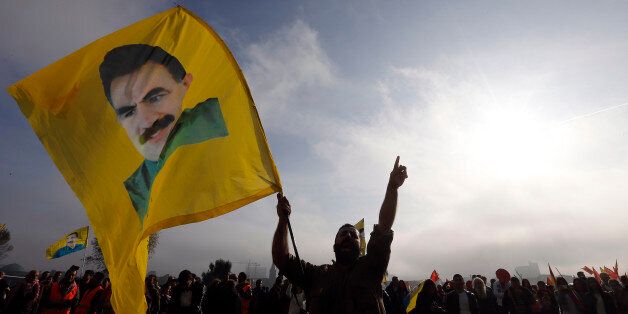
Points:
(553, 278)
(588, 270)
(611, 273)
(596, 275)
(434, 277)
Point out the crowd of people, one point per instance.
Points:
(55, 293)
(351, 284)
(586, 295)
(235, 294)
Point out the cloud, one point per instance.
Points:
(287, 71)
(40, 33)
(490, 184)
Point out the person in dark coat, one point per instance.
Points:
(427, 301)
(517, 299)
(460, 301)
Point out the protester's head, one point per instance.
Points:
(258, 283)
(605, 277)
(562, 282)
(72, 239)
(145, 85)
(150, 281)
(593, 285)
(87, 276)
(581, 275)
(493, 281)
(106, 283)
(45, 277)
(514, 282)
(233, 277)
(458, 282)
(624, 280)
(347, 244)
(241, 277)
(479, 287)
(278, 280)
(97, 280)
(70, 274)
(429, 288)
(185, 278)
(57, 276)
(439, 289)
(32, 276)
(541, 285)
(468, 285)
(167, 288)
(526, 284)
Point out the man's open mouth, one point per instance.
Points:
(157, 125)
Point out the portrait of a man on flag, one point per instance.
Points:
(145, 86)
(72, 242)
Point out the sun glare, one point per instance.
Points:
(511, 144)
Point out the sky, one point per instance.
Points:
(511, 118)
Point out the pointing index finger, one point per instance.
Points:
(397, 163)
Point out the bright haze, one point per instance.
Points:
(510, 117)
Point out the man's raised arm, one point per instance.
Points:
(389, 207)
(281, 251)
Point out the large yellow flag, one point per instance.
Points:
(70, 243)
(152, 126)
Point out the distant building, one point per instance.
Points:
(530, 271)
(533, 273)
(273, 273)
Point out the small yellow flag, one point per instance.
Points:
(152, 126)
(360, 227)
(70, 243)
(413, 297)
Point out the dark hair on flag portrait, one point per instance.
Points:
(146, 85)
(126, 59)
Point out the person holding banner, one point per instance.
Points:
(353, 283)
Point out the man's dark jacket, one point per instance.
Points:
(453, 306)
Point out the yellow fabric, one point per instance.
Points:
(67, 108)
(414, 294)
(360, 227)
(83, 234)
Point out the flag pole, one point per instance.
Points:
(85, 253)
(558, 271)
(294, 244)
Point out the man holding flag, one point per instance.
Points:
(353, 283)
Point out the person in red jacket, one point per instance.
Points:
(63, 294)
(92, 300)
